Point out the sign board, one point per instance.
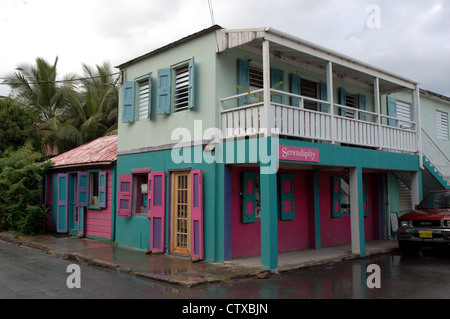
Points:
(298, 154)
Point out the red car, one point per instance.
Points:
(428, 224)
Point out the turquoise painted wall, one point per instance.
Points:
(134, 232)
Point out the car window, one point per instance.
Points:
(436, 200)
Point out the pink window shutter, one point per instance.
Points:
(124, 198)
(157, 211)
(197, 241)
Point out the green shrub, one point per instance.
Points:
(21, 181)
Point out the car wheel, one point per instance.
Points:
(407, 248)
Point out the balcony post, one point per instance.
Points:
(376, 94)
(330, 97)
(267, 116)
(416, 99)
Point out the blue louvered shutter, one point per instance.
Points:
(287, 197)
(296, 88)
(102, 184)
(324, 97)
(362, 105)
(191, 93)
(277, 79)
(82, 189)
(163, 97)
(249, 197)
(128, 102)
(392, 110)
(342, 101)
(243, 80)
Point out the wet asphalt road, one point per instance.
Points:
(27, 273)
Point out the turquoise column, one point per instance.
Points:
(269, 219)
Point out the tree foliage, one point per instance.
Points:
(21, 180)
(17, 127)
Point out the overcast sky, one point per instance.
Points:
(411, 37)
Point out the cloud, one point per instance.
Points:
(413, 41)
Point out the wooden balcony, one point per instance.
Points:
(356, 128)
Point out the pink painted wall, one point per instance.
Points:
(298, 234)
(98, 223)
(292, 235)
(337, 231)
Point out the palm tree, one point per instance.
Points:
(92, 111)
(37, 87)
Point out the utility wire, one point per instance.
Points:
(58, 81)
(211, 12)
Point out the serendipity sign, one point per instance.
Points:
(298, 154)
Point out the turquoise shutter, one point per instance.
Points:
(62, 203)
(102, 189)
(249, 198)
(342, 101)
(287, 197)
(82, 189)
(149, 95)
(129, 89)
(277, 76)
(243, 80)
(296, 88)
(392, 110)
(362, 105)
(191, 101)
(366, 196)
(324, 97)
(163, 97)
(336, 196)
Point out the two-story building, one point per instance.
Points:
(252, 142)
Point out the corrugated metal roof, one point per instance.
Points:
(103, 149)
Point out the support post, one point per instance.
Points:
(267, 117)
(269, 219)
(416, 189)
(357, 211)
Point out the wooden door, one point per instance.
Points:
(181, 213)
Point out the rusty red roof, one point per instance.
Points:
(103, 149)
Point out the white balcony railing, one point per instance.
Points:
(358, 127)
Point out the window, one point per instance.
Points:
(140, 193)
(93, 189)
(181, 95)
(404, 113)
(181, 92)
(256, 78)
(309, 89)
(251, 197)
(441, 125)
(340, 193)
(141, 102)
(144, 100)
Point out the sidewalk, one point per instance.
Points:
(179, 270)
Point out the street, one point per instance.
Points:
(27, 273)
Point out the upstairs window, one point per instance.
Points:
(441, 125)
(176, 88)
(144, 100)
(181, 95)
